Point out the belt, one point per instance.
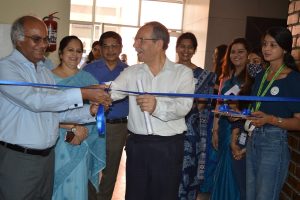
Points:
(44, 152)
(117, 121)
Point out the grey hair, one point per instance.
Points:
(160, 32)
(17, 30)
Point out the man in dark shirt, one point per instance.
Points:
(104, 70)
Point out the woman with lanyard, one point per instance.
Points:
(267, 149)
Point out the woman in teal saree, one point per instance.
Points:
(76, 163)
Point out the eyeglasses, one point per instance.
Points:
(38, 39)
(141, 39)
(113, 46)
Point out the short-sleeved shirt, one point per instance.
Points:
(286, 87)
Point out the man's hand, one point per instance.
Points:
(146, 102)
(94, 109)
(97, 94)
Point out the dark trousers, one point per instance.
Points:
(25, 176)
(153, 167)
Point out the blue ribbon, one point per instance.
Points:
(100, 120)
(100, 114)
(213, 96)
(203, 96)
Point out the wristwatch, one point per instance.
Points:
(73, 129)
(279, 120)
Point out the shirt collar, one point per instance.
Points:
(167, 66)
(20, 58)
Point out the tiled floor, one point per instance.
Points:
(119, 191)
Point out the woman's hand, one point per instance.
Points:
(81, 134)
(260, 118)
(237, 152)
(215, 138)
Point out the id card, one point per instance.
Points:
(242, 139)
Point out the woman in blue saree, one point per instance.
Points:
(196, 149)
(82, 158)
(233, 74)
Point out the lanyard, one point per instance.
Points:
(257, 105)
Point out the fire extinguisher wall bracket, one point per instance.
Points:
(52, 31)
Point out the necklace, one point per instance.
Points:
(260, 93)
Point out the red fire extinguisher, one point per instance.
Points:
(52, 31)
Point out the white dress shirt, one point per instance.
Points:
(168, 116)
(30, 116)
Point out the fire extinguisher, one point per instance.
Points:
(52, 31)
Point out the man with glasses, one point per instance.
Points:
(108, 69)
(30, 116)
(154, 158)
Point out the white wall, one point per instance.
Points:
(12, 9)
(5, 42)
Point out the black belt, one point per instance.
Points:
(44, 152)
(117, 121)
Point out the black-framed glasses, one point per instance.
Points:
(141, 39)
(37, 39)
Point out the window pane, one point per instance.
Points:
(117, 11)
(171, 51)
(169, 14)
(81, 10)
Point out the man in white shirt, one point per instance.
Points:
(154, 161)
(30, 116)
